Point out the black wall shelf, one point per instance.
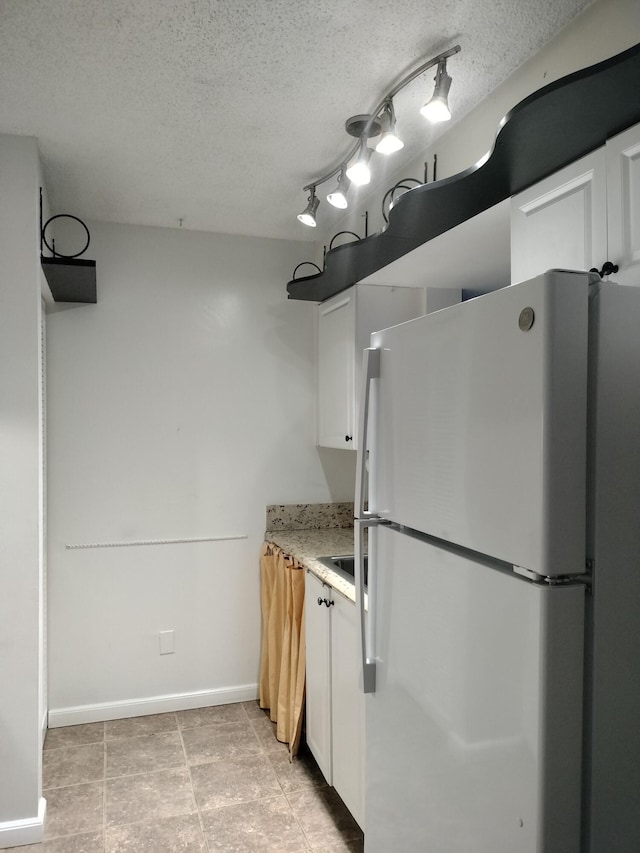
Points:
(71, 279)
(548, 130)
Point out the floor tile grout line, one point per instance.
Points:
(144, 772)
(72, 746)
(37, 845)
(193, 791)
(293, 812)
(142, 822)
(115, 740)
(168, 731)
(72, 785)
(285, 793)
(105, 778)
(223, 806)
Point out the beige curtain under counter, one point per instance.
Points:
(282, 664)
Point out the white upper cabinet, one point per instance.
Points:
(336, 371)
(582, 216)
(345, 323)
(561, 222)
(623, 204)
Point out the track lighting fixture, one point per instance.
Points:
(338, 198)
(437, 108)
(389, 140)
(308, 215)
(381, 122)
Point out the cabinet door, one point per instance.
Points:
(336, 378)
(561, 222)
(347, 708)
(318, 673)
(623, 201)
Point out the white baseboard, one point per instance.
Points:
(29, 830)
(150, 705)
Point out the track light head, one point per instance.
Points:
(389, 140)
(437, 107)
(359, 173)
(338, 198)
(308, 215)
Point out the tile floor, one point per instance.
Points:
(209, 779)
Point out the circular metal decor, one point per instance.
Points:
(389, 196)
(54, 252)
(302, 264)
(339, 234)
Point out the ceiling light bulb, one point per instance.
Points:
(338, 198)
(360, 173)
(437, 108)
(308, 215)
(307, 219)
(389, 140)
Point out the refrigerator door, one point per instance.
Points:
(480, 414)
(474, 730)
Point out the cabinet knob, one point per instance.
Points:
(328, 603)
(607, 269)
(348, 438)
(320, 600)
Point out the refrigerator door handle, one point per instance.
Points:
(366, 616)
(370, 371)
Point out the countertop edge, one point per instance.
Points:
(307, 545)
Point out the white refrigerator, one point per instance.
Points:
(501, 624)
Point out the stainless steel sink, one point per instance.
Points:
(344, 565)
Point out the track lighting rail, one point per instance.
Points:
(380, 121)
(441, 57)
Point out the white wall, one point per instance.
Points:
(600, 31)
(20, 581)
(179, 406)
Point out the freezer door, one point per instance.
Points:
(473, 734)
(480, 424)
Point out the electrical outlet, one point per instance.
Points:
(167, 642)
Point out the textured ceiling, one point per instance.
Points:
(219, 111)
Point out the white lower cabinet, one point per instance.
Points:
(347, 707)
(318, 669)
(334, 701)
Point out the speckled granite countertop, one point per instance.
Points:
(318, 539)
(307, 545)
(309, 516)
